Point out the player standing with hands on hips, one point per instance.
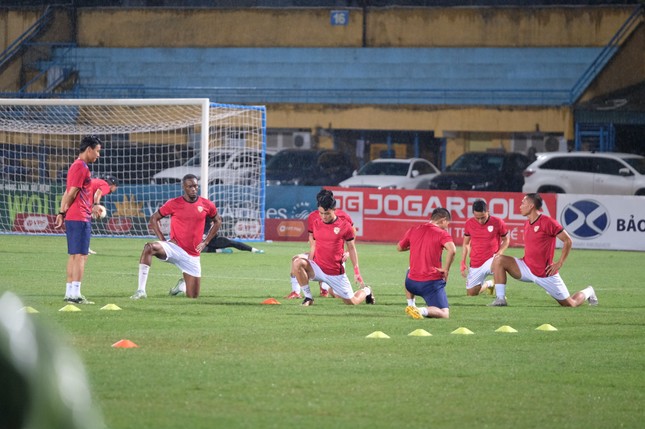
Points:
(188, 216)
(537, 265)
(76, 210)
(327, 248)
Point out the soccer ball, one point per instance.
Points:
(102, 212)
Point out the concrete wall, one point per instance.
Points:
(392, 27)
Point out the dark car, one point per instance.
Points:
(308, 167)
(484, 171)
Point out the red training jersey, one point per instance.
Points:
(539, 243)
(101, 184)
(426, 243)
(187, 220)
(78, 176)
(330, 244)
(484, 239)
(314, 217)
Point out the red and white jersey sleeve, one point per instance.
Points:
(484, 239)
(539, 243)
(187, 220)
(79, 176)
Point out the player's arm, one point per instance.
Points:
(155, 225)
(564, 253)
(451, 251)
(212, 232)
(506, 241)
(353, 256)
(65, 203)
(465, 251)
(312, 245)
(97, 200)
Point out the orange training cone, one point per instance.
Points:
(124, 344)
(270, 301)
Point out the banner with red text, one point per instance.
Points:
(384, 214)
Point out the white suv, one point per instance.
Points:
(225, 167)
(586, 173)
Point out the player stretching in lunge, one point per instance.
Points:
(485, 237)
(329, 238)
(314, 217)
(188, 215)
(537, 266)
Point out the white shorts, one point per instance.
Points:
(177, 256)
(553, 285)
(476, 276)
(340, 284)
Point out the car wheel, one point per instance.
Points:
(550, 190)
(640, 192)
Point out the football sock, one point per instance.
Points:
(324, 286)
(76, 289)
(412, 302)
(500, 290)
(367, 290)
(294, 285)
(143, 276)
(68, 289)
(586, 292)
(423, 311)
(307, 291)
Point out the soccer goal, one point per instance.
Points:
(148, 146)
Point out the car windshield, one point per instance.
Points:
(637, 163)
(215, 159)
(384, 169)
(477, 162)
(297, 160)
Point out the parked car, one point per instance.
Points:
(484, 171)
(387, 173)
(308, 167)
(225, 166)
(586, 173)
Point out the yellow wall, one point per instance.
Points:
(214, 28)
(396, 27)
(441, 120)
(495, 26)
(627, 68)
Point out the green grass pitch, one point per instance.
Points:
(226, 361)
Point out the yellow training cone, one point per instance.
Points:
(462, 331)
(70, 307)
(419, 333)
(29, 310)
(377, 334)
(545, 327)
(506, 329)
(110, 307)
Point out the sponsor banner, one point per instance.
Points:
(290, 202)
(287, 210)
(615, 222)
(385, 215)
(34, 223)
(286, 229)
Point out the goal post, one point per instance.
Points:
(148, 146)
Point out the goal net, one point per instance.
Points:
(148, 146)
